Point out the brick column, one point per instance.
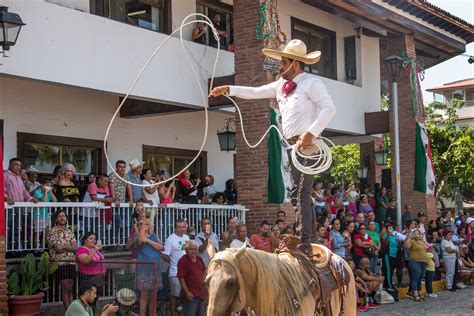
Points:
(407, 132)
(251, 164)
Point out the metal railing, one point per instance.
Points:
(28, 223)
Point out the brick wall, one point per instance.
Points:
(407, 130)
(251, 164)
(374, 172)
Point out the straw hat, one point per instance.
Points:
(126, 297)
(135, 163)
(295, 49)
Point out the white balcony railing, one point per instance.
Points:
(26, 229)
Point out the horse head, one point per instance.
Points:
(224, 281)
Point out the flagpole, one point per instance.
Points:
(397, 152)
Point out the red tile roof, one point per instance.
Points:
(465, 83)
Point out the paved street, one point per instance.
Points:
(456, 303)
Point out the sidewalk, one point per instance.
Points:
(456, 303)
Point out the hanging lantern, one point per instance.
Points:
(10, 26)
(226, 137)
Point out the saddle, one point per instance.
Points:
(324, 268)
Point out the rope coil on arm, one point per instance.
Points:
(320, 161)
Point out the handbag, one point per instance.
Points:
(369, 252)
(383, 297)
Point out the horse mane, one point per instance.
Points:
(280, 279)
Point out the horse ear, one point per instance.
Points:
(241, 250)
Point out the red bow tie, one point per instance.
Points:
(287, 88)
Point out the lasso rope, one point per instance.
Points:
(320, 162)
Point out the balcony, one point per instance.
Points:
(111, 225)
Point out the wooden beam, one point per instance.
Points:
(140, 108)
(377, 122)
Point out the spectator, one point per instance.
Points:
(371, 280)
(87, 295)
(167, 191)
(89, 259)
(351, 196)
(390, 248)
(241, 237)
(418, 260)
(281, 225)
(331, 203)
(138, 215)
(32, 179)
(230, 234)
(230, 192)
(289, 230)
(199, 33)
(318, 197)
(406, 216)
(41, 217)
(57, 177)
(151, 193)
(191, 271)
(382, 205)
(392, 211)
(117, 185)
(147, 247)
(371, 217)
(174, 250)
(218, 198)
(449, 251)
(221, 31)
(360, 219)
(15, 191)
(206, 236)
(62, 246)
(136, 168)
(348, 218)
(191, 232)
(324, 221)
(188, 188)
(339, 242)
(430, 273)
(363, 244)
(208, 187)
(364, 206)
(275, 236)
(281, 215)
(67, 190)
(320, 237)
(374, 235)
(421, 218)
(349, 234)
(262, 240)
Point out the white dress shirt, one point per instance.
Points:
(308, 108)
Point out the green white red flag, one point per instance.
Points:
(424, 170)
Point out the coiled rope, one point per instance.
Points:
(319, 161)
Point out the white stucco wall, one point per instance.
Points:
(79, 49)
(42, 108)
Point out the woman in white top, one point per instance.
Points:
(449, 251)
(151, 193)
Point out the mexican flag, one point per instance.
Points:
(279, 178)
(424, 171)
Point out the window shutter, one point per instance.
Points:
(350, 58)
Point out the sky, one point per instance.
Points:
(456, 68)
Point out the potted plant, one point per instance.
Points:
(27, 285)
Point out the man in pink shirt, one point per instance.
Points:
(15, 191)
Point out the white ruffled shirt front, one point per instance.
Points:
(308, 108)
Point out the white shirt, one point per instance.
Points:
(200, 238)
(174, 248)
(237, 243)
(308, 108)
(155, 196)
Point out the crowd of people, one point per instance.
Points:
(358, 225)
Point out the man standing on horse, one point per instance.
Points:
(306, 109)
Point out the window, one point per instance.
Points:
(46, 152)
(350, 58)
(459, 94)
(212, 7)
(317, 38)
(172, 160)
(154, 15)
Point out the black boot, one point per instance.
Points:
(305, 245)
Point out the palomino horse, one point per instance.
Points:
(270, 284)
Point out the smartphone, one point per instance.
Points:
(207, 228)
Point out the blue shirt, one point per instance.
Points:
(136, 190)
(337, 242)
(392, 245)
(146, 252)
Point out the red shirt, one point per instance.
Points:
(261, 243)
(193, 275)
(358, 250)
(331, 201)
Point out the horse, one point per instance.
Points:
(269, 284)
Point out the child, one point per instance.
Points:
(41, 218)
(430, 272)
